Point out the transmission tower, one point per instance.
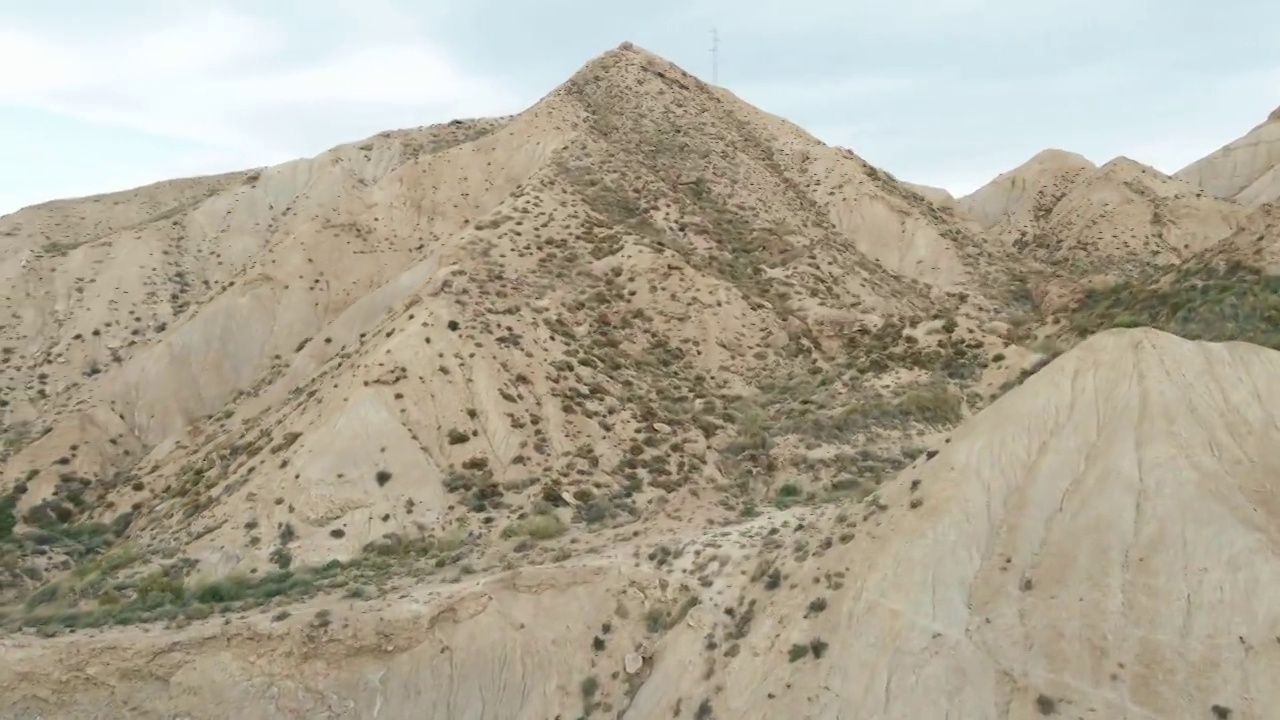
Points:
(715, 57)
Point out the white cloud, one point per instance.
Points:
(32, 66)
(208, 78)
(396, 75)
(196, 48)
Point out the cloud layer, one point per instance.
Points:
(229, 88)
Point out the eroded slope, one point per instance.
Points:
(1108, 495)
(1230, 291)
(639, 300)
(1077, 220)
(1246, 170)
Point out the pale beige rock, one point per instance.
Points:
(1254, 244)
(1017, 196)
(361, 352)
(1061, 210)
(935, 195)
(1246, 170)
(1081, 539)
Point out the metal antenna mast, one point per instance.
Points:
(715, 57)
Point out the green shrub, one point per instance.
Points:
(1213, 303)
(8, 516)
(538, 527)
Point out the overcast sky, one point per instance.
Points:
(100, 96)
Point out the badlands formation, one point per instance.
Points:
(644, 403)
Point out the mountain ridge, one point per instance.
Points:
(1246, 169)
(640, 402)
(301, 295)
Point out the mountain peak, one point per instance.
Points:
(1122, 164)
(622, 72)
(626, 50)
(628, 57)
(1055, 156)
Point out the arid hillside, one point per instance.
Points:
(1092, 545)
(1078, 219)
(641, 402)
(1246, 170)
(1230, 291)
(639, 293)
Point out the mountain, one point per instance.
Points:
(1091, 545)
(1228, 292)
(638, 289)
(934, 195)
(1256, 244)
(1074, 217)
(1019, 196)
(1246, 170)
(641, 402)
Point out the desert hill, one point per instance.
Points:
(641, 402)
(1254, 244)
(1078, 219)
(1093, 544)
(1229, 291)
(1029, 191)
(467, 336)
(936, 195)
(1246, 170)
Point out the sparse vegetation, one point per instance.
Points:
(773, 580)
(8, 516)
(537, 527)
(104, 592)
(788, 495)
(818, 647)
(816, 606)
(1218, 303)
(640, 350)
(798, 651)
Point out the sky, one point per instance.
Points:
(96, 97)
